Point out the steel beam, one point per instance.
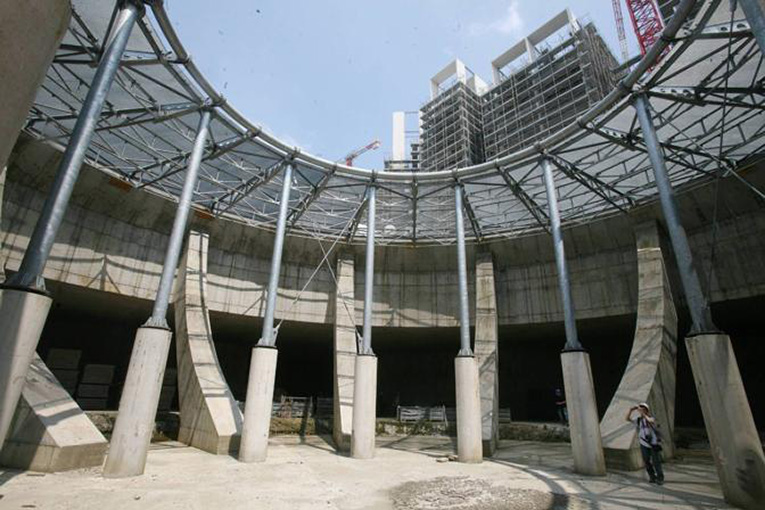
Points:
(159, 313)
(697, 302)
(369, 272)
(572, 339)
(755, 15)
(44, 235)
(464, 311)
(268, 336)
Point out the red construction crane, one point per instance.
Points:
(358, 152)
(647, 22)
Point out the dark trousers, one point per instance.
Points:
(652, 461)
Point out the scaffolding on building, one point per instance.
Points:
(549, 92)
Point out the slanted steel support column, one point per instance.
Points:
(140, 396)
(755, 15)
(267, 335)
(736, 445)
(159, 313)
(24, 305)
(467, 385)
(697, 302)
(462, 285)
(37, 253)
(586, 442)
(369, 272)
(365, 371)
(260, 385)
(569, 322)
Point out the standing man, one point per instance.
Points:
(650, 441)
(560, 406)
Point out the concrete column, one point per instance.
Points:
(257, 409)
(736, 449)
(22, 316)
(486, 351)
(736, 446)
(650, 372)
(365, 407)
(32, 31)
(468, 395)
(586, 444)
(344, 353)
(210, 417)
(50, 432)
(469, 448)
(138, 404)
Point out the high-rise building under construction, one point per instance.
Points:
(539, 85)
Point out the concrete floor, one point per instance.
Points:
(408, 473)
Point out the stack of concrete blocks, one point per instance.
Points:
(49, 431)
(95, 385)
(486, 351)
(210, 417)
(65, 366)
(344, 352)
(650, 373)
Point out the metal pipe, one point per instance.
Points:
(462, 275)
(158, 315)
(753, 10)
(366, 341)
(572, 339)
(697, 302)
(267, 336)
(44, 235)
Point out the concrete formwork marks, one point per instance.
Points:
(344, 352)
(486, 350)
(210, 417)
(650, 373)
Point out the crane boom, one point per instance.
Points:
(620, 29)
(350, 157)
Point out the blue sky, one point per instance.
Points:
(327, 75)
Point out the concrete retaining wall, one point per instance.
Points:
(113, 240)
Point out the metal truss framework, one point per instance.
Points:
(707, 95)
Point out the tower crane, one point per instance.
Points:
(620, 29)
(646, 21)
(350, 157)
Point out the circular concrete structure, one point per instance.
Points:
(105, 266)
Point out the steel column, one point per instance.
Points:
(753, 10)
(369, 272)
(462, 275)
(572, 339)
(697, 302)
(44, 235)
(158, 316)
(267, 337)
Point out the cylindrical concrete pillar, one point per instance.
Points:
(32, 31)
(364, 407)
(138, 404)
(22, 317)
(257, 408)
(736, 446)
(469, 443)
(586, 442)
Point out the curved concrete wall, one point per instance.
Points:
(113, 239)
